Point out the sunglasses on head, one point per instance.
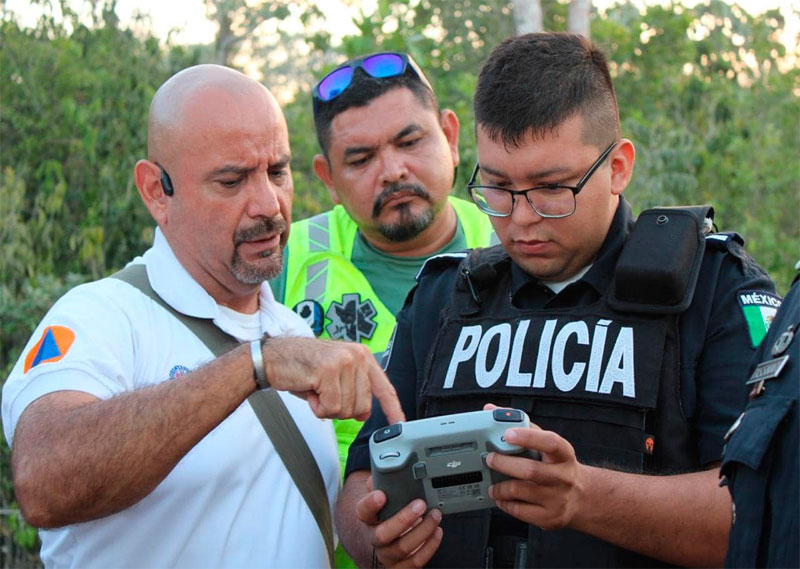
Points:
(376, 65)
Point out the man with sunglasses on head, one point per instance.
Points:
(131, 412)
(388, 159)
(620, 343)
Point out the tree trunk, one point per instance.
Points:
(226, 40)
(578, 17)
(527, 16)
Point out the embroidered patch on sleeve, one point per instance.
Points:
(311, 311)
(759, 309)
(51, 347)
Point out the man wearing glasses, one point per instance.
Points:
(388, 159)
(629, 379)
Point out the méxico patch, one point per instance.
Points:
(759, 310)
(51, 347)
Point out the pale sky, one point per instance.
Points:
(189, 18)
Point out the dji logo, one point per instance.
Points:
(454, 464)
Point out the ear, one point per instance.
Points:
(322, 167)
(449, 122)
(147, 176)
(622, 159)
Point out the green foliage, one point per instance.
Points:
(708, 128)
(73, 123)
(19, 540)
(78, 105)
(75, 108)
(24, 535)
(448, 38)
(713, 120)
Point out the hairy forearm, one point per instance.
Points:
(76, 458)
(682, 519)
(352, 532)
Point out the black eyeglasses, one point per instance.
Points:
(547, 200)
(376, 65)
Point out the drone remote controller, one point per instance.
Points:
(442, 460)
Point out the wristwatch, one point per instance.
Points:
(259, 371)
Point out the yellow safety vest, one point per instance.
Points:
(335, 298)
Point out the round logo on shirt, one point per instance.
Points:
(178, 371)
(311, 312)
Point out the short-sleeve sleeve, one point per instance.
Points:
(717, 345)
(84, 343)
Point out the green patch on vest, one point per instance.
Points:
(759, 310)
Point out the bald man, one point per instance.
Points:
(132, 446)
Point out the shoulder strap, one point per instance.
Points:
(481, 270)
(296, 456)
(215, 339)
(267, 405)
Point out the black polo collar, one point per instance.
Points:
(600, 275)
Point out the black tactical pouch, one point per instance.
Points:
(658, 268)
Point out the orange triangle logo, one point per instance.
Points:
(51, 347)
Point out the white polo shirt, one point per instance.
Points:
(230, 502)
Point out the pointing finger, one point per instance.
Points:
(384, 392)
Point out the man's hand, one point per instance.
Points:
(338, 379)
(407, 539)
(544, 493)
(681, 519)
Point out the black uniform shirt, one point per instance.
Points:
(715, 342)
(761, 457)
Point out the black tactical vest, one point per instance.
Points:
(606, 379)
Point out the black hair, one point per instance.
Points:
(362, 90)
(532, 83)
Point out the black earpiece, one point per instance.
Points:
(166, 182)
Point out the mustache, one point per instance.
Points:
(262, 229)
(380, 201)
